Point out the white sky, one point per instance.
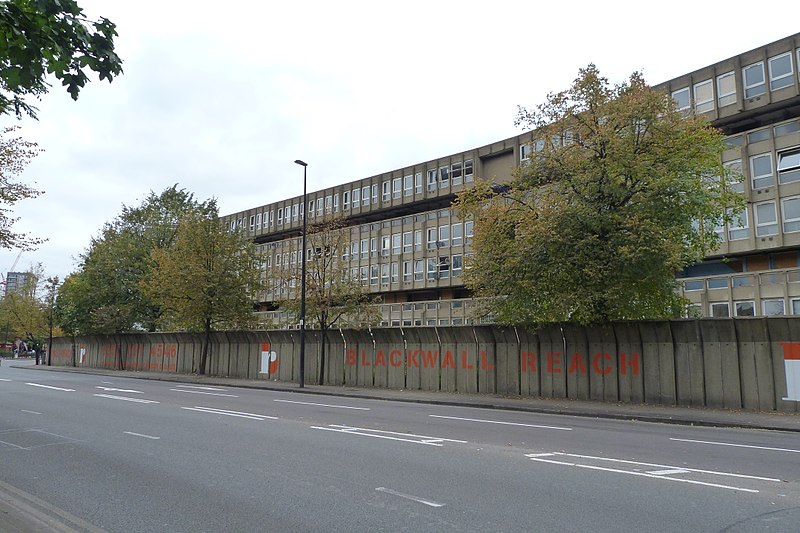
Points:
(222, 97)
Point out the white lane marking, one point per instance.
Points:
(423, 501)
(111, 389)
(3, 379)
(198, 387)
(500, 422)
(389, 435)
(669, 472)
(141, 435)
(653, 476)
(325, 405)
(225, 412)
(49, 387)
(738, 445)
(208, 393)
(124, 398)
(31, 412)
(106, 382)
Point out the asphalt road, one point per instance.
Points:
(88, 453)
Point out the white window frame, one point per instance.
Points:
(751, 90)
(280, 216)
(408, 242)
(432, 179)
(444, 236)
(782, 80)
(792, 303)
(790, 225)
(729, 97)
(374, 194)
(444, 177)
(408, 275)
(469, 171)
(767, 301)
(432, 234)
(713, 304)
(678, 104)
(346, 201)
(457, 234)
(355, 195)
(762, 178)
(396, 243)
(336, 203)
(703, 106)
(408, 185)
(456, 173)
(418, 183)
(365, 196)
(736, 307)
(743, 229)
(765, 228)
(789, 173)
(386, 188)
(397, 191)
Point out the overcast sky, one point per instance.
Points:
(222, 97)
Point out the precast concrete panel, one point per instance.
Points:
(413, 346)
(689, 366)
(313, 343)
(448, 350)
(426, 357)
(364, 357)
(334, 360)
(529, 363)
(657, 358)
(551, 355)
(755, 364)
(606, 363)
(352, 348)
(475, 376)
(721, 369)
(187, 352)
(245, 348)
(575, 365)
(784, 336)
(629, 345)
(388, 366)
(282, 342)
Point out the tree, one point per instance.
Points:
(15, 154)
(104, 295)
(24, 313)
(41, 37)
(207, 280)
(335, 296)
(622, 191)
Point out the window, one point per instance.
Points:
(271, 218)
(444, 177)
(795, 303)
(277, 260)
(280, 216)
(444, 235)
(738, 228)
(354, 250)
(387, 191)
(373, 274)
(524, 152)
(791, 214)
(406, 271)
(787, 129)
(703, 96)
(717, 283)
(396, 184)
(468, 234)
(374, 194)
(356, 197)
(373, 247)
(789, 166)
(761, 171)
(252, 222)
(780, 71)
(408, 185)
(456, 232)
(753, 76)
(747, 308)
(311, 209)
(733, 174)
(335, 203)
(365, 196)
(418, 182)
(756, 136)
(720, 310)
(384, 273)
(258, 220)
(733, 142)
(364, 275)
(395, 271)
(693, 285)
(455, 173)
(726, 89)
(319, 207)
(294, 213)
(766, 219)
(432, 238)
(395, 244)
(433, 268)
(328, 204)
(418, 272)
(773, 307)
(418, 240)
(468, 171)
(457, 264)
(432, 180)
(385, 245)
(364, 248)
(407, 242)
(346, 200)
(681, 97)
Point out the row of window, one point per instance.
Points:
(769, 307)
(409, 185)
(742, 280)
(779, 69)
(766, 217)
(762, 172)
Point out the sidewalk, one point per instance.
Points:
(695, 416)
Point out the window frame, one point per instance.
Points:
(780, 78)
(763, 228)
(792, 173)
(754, 86)
(723, 98)
(754, 177)
(698, 103)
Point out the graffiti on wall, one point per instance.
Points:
(269, 360)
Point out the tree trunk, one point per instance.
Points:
(206, 346)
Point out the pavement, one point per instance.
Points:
(690, 416)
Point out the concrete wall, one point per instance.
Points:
(724, 363)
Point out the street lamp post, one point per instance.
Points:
(303, 281)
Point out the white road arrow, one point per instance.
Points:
(111, 389)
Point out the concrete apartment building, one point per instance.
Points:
(408, 246)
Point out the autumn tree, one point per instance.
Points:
(620, 193)
(336, 297)
(207, 280)
(104, 295)
(15, 154)
(23, 311)
(39, 38)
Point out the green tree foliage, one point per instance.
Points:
(621, 192)
(50, 37)
(334, 297)
(207, 280)
(104, 295)
(15, 154)
(23, 311)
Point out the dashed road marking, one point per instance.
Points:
(501, 422)
(325, 405)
